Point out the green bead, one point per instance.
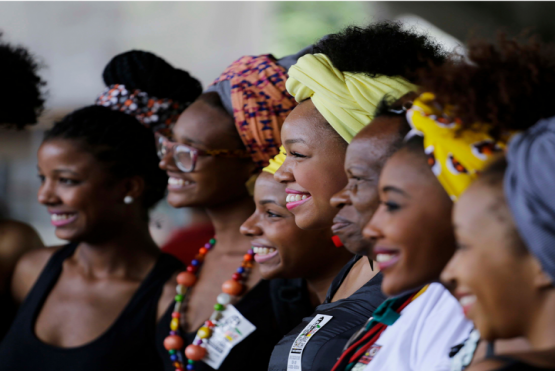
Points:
(179, 298)
(218, 307)
(191, 362)
(212, 241)
(171, 351)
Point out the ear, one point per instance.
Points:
(135, 187)
(541, 279)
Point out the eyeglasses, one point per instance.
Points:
(185, 156)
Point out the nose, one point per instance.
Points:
(341, 199)
(284, 173)
(47, 194)
(372, 230)
(448, 276)
(250, 227)
(167, 162)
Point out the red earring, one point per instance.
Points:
(336, 241)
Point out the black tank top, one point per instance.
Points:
(128, 344)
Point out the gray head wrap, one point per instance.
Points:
(223, 88)
(529, 189)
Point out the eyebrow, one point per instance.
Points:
(293, 141)
(265, 202)
(194, 141)
(395, 190)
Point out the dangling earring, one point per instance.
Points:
(128, 200)
(336, 241)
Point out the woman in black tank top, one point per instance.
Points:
(96, 304)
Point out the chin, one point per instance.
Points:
(269, 273)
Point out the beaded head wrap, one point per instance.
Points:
(456, 156)
(259, 102)
(159, 114)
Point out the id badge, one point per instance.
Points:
(296, 352)
(231, 329)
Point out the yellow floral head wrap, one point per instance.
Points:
(276, 162)
(346, 100)
(456, 156)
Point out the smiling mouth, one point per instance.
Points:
(467, 302)
(178, 183)
(386, 258)
(295, 198)
(61, 219)
(263, 253)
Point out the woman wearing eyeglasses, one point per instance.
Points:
(224, 316)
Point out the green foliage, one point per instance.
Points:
(300, 23)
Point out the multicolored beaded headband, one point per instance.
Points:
(159, 114)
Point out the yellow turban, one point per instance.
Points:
(346, 100)
(276, 162)
(456, 156)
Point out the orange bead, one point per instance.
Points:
(246, 265)
(232, 287)
(195, 352)
(173, 342)
(247, 257)
(186, 279)
(199, 257)
(202, 251)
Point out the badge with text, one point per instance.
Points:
(231, 329)
(296, 352)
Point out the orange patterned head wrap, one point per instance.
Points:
(259, 101)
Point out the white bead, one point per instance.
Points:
(177, 307)
(180, 289)
(215, 316)
(224, 299)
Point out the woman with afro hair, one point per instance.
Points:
(21, 103)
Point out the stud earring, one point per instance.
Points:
(128, 200)
(336, 241)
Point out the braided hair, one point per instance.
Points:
(120, 142)
(21, 98)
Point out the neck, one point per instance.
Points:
(321, 281)
(227, 219)
(130, 252)
(541, 332)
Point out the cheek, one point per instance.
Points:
(366, 203)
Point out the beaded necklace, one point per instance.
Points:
(185, 281)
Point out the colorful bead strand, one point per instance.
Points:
(231, 288)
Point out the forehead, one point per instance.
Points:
(375, 142)
(206, 126)
(472, 209)
(410, 172)
(56, 152)
(306, 123)
(267, 188)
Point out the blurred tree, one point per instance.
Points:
(297, 24)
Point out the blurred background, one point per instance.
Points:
(75, 40)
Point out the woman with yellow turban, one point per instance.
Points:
(339, 88)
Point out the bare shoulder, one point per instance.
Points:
(28, 269)
(168, 295)
(17, 238)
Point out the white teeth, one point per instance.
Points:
(382, 258)
(295, 197)
(263, 250)
(178, 182)
(57, 217)
(467, 300)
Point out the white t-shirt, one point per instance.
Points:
(421, 339)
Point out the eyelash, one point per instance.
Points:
(391, 206)
(67, 181)
(272, 215)
(295, 154)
